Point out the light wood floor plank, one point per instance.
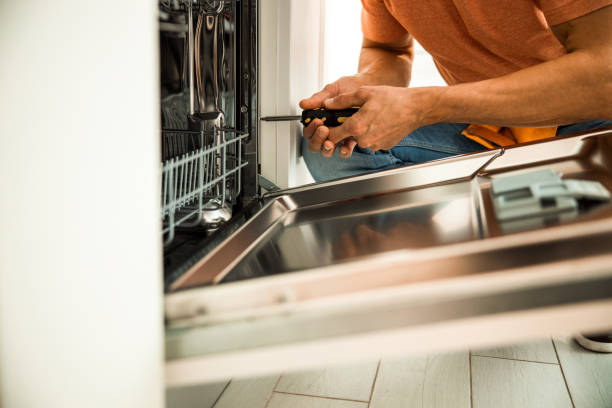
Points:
(588, 374)
(541, 351)
(300, 401)
(197, 396)
(248, 393)
(436, 381)
(348, 382)
(500, 383)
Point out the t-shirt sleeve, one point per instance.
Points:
(561, 11)
(378, 24)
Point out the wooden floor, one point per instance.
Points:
(542, 374)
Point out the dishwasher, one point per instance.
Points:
(415, 259)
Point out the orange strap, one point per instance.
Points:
(493, 137)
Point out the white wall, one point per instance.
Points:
(80, 284)
(342, 44)
(342, 38)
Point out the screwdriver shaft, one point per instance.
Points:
(280, 118)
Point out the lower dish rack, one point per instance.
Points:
(200, 172)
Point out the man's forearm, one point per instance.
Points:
(572, 88)
(386, 65)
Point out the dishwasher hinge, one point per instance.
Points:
(267, 184)
(481, 171)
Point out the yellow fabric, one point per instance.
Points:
(493, 137)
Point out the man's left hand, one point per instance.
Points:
(386, 115)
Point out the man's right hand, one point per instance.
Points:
(316, 133)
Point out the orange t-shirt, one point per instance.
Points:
(473, 40)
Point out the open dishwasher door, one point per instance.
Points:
(402, 261)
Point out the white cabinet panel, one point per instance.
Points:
(290, 61)
(80, 247)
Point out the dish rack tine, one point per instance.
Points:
(238, 162)
(224, 165)
(198, 167)
(201, 182)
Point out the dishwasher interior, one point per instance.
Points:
(208, 66)
(323, 272)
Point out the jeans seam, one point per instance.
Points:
(375, 160)
(431, 147)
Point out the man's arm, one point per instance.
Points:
(569, 89)
(387, 64)
(379, 64)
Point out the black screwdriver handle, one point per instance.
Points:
(330, 118)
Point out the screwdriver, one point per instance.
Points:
(329, 117)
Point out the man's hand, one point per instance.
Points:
(316, 133)
(379, 64)
(386, 115)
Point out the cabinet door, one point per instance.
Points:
(403, 261)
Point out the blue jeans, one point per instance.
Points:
(424, 144)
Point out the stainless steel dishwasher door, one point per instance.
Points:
(403, 261)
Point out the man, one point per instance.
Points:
(528, 69)
(544, 65)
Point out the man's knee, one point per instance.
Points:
(325, 169)
(321, 168)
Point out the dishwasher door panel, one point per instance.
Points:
(402, 261)
(405, 193)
